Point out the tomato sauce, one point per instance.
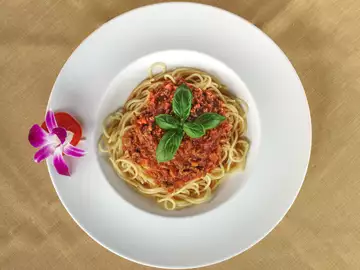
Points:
(195, 157)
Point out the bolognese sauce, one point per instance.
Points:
(195, 157)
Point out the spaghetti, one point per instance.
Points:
(130, 137)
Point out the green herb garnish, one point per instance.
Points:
(167, 121)
(194, 130)
(175, 126)
(181, 103)
(168, 145)
(210, 120)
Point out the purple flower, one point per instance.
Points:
(55, 143)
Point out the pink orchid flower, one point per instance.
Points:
(54, 143)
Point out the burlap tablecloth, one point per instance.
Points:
(322, 40)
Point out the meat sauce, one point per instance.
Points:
(195, 157)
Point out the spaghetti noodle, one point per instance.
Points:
(130, 137)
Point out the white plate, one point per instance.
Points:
(99, 76)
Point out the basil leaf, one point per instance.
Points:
(168, 145)
(194, 130)
(166, 121)
(181, 103)
(210, 120)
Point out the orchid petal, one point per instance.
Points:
(37, 136)
(69, 137)
(60, 132)
(44, 152)
(73, 151)
(50, 120)
(59, 163)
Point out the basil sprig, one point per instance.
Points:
(168, 145)
(175, 126)
(167, 121)
(210, 120)
(181, 103)
(194, 130)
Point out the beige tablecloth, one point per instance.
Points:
(322, 40)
